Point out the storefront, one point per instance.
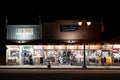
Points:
(38, 54)
(60, 45)
(19, 39)
(116, 54)
(62, 55)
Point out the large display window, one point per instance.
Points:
(63, 55)
(116, 56)
(26, 55)
(38, 54)
(12, 56)
(76, 57)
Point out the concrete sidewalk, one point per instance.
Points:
(63, 66)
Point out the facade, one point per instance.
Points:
(70, 30)
(60, 43)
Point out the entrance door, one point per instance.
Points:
(25, 55)
(66, 57)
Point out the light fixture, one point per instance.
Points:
(88, 23)
(71, 41)
(21, 41)
(80, 23)
(84, 24)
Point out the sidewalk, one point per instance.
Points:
(63, 66)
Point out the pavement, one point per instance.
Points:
(54, 67)
(67, 72)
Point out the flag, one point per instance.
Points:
(39, 19)
(102, 26)
(6, 23)
(40, 23)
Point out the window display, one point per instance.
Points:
(116, 56)
(51, 56)
(61, 55)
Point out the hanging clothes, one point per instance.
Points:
(104, 59)
(52, 59)
(97, 59)
(30, 59)
(108, 60)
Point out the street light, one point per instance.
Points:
(84, 24)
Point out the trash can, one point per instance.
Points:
(49, 66)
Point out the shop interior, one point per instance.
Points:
(59, 55)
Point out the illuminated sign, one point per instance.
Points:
(68, 28)
(24, 31)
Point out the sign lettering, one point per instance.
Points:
(68, 28)
(24, 31)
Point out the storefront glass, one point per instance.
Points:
(59, 55)
(26, 54)
(12, 56)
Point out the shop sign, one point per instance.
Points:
(60, 47)
(26, 48)
(95, 46)
(68, 28)
(116, 46)
(71, 46)
(82, 46)
(38, 47)
(48, 46)
(14, 47)
(24, 31)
